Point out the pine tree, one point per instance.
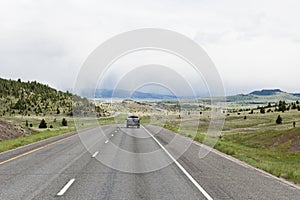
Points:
(279, 120)
(282, 106)
(43, 124)
(64, 122)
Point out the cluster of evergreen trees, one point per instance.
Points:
(281, 106)
(43, 123)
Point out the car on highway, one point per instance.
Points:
(132, 121)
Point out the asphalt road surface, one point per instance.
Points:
(119, 165)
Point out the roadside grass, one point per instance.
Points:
(42, 134)
(35, 137)
(120, 119)
(279, 163)
(145, 119)
(266, 145)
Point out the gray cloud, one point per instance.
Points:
(250, 41)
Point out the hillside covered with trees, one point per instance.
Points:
(33, 98)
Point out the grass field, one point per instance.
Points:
(257, 140)
(35, 137)
(269, 150)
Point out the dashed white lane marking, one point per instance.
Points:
(95, 154)
(106, 141)
(116, 131)
(67, 186)
(181, 167)
(112, 135)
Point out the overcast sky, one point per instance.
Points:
(254, 44)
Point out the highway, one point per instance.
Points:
(63, 168)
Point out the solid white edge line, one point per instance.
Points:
(95, 154)
(106, 141)
(246, 165)
(67, 186)
(181, 167)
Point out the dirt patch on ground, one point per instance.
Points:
(295, 147)
(9, 130)
(293, 137)
(241, 130)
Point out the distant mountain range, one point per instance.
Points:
(106, 93)
(264, 96)
(297, 94)
(267, 92)
(256, 96)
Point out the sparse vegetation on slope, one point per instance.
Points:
(33, 98)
